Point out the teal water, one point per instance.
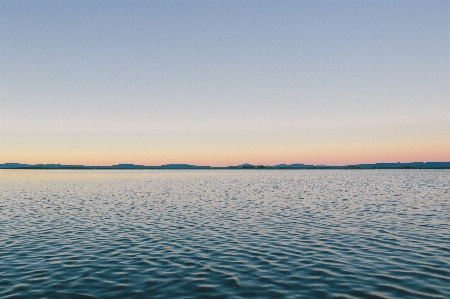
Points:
(225, 234)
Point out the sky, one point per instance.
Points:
(224, 82)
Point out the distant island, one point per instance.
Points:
(397, 165)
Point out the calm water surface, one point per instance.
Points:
(225, 234)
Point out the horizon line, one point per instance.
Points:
(244, 165)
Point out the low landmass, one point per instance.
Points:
(397, 165)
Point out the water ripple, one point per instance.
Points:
(225, 234)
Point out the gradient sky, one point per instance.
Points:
(224, 82)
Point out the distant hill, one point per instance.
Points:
(397, 165)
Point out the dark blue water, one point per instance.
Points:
(225, 234)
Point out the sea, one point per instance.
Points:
(225, 233)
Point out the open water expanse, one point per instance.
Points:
(225, 234)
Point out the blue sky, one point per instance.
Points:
(224, 82)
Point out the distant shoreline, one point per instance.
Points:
(397, 165)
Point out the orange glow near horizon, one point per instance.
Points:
(329, 146)
(314, 155)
